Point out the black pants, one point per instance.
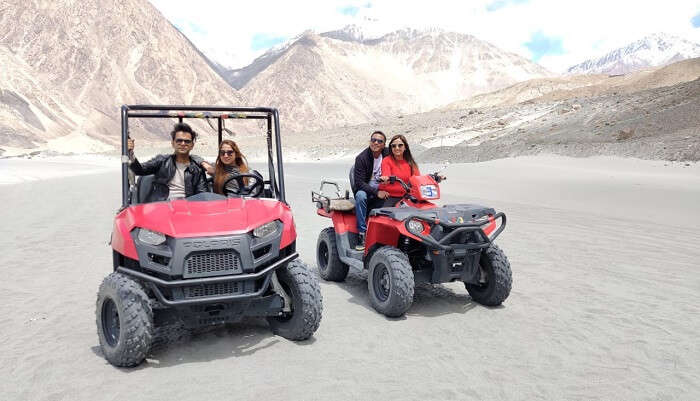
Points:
(391, 201)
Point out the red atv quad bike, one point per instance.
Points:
(205, 260)
(414, 242)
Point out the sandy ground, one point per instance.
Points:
(605, 265)
(18, 170)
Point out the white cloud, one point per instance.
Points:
(224, 30)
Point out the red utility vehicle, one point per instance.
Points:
(205, 260)
(415, 241)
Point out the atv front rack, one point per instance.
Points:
(457, 229)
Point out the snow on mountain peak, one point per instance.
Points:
(366, 30)
(651, 51)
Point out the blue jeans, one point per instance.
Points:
(363, 204)
(361, 211)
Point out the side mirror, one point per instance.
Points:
(437, 177)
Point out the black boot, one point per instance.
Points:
(360, 243)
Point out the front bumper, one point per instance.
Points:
(447, 242)
(204, 290)
(455, 250)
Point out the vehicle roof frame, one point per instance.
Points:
(220, 113)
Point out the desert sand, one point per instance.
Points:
(605, 255)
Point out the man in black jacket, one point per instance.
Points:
(368, 169)
(176, 175)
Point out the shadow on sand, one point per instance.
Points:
(429, 300)
(203, 345)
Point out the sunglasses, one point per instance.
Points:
(397, 145)
(377, 140)
(226, 153)
(185, 141)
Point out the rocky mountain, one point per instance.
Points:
(66, 67)
(652, 116)
(239, 77)
(578, 86)
(651, 51)
(330, 80)
(356, 33)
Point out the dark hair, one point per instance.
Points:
(406, 153)
(220, 174)
(182, 127)
(380, 133)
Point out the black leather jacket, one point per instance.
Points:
(364, 164)
(163, 169)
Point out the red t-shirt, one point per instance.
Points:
(399, 168)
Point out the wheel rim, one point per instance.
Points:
(287, 315)
(110, 322)
(481, 287)
(322, 255)
(381, 282)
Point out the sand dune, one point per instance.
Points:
(605, 264)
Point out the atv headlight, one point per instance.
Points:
(265, 229)
(482, 219)
(151, 237)
(415, 226)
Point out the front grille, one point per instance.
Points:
(210, 321)
(212, 263)
(213, 290)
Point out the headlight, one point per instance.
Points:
(151, 237)
(482, 219)
(265, 229)
(415, 226)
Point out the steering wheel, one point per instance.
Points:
(253, 190)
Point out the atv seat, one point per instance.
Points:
(338, 205)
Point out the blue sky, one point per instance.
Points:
(352, 10)
(541, 45)
(263, 41)
(554, 33)
(498, 4)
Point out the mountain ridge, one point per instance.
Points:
(405, 71)
(92, 62)
(653, 50)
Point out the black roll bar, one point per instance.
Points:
(219, 113)
(125, 157)
(280, 167)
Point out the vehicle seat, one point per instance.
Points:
(352, 177)
(338, 205)
(342, 205)
(144, 188)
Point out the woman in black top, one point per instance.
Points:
(229, 162)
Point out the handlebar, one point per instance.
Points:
(407, 186)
